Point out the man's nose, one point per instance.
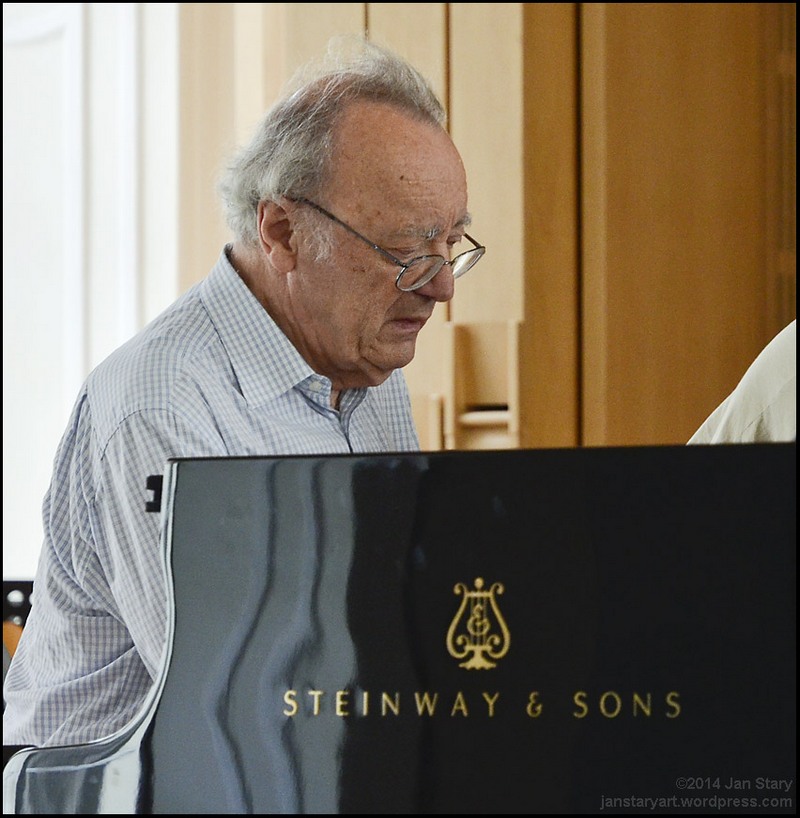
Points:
(441, 286)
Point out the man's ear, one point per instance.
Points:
(278, 240)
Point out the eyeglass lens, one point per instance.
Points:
(420, 271)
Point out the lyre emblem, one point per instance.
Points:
(478, 630)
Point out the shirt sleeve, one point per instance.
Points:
(93, 642)
(763, 406)
(128, 537)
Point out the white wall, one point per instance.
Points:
(90, 210)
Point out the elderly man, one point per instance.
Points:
(349, 210)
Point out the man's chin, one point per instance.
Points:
(395, 357)
(404, 357)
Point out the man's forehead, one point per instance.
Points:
(380, 135)
(392, 171)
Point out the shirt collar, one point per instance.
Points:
(263, 359)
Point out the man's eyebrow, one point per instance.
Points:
(430, 233)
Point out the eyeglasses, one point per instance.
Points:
(418, 271)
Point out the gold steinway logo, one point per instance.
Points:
(478, 633)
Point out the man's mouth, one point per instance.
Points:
(410, 323)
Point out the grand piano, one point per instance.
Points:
(555, 631)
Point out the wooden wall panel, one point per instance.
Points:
(418, 32)
(258, 60)
(673, 213)
(206, 133)
(513, 104)
(780, 57)
(550, 334)
(486, 116)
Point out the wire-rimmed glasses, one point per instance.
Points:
(416, 272)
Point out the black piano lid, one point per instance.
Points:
(549, 631)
